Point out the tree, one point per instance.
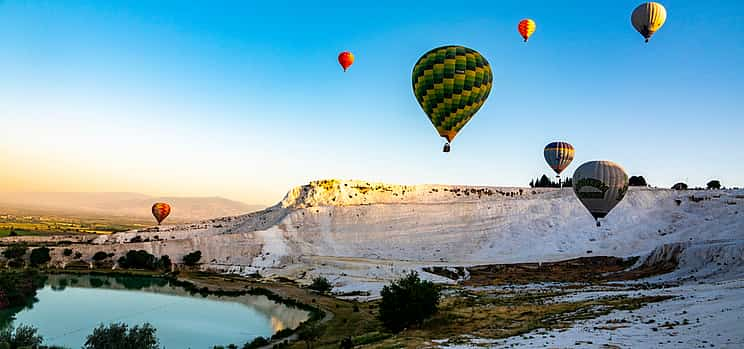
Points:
(12, 232)
(138, 260)
(346, 343)
(714, 184)
(99, 256)
(321, 285)
(544, 182)
(637, 181)
(67, 252)
(164, 262)
(15, 251)
(310, 334)
(408, 301)
(40, 256)
(24, 336)
(192, 258)
(120, 336)
(680, 186)
(256, 343)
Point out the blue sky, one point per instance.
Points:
(245, 99)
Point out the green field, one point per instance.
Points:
(23, 225)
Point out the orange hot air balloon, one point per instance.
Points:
(526, 27)
(160, 210)
(346, 59)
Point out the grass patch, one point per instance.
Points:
(483, 315)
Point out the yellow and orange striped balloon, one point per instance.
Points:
(526, 28)
(160, 211)
(648, 18)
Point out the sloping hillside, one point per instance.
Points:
(349, 229)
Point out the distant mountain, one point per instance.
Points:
(131, 205)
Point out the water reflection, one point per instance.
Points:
(182, 319)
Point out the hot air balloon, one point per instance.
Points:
(648, 18)
(451, 83)
(526, 27)
(160, 210)
(558, 155)
(600, 185)
(346, 59)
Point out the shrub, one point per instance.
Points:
(40, 256)
(164, 262)
(192, 258)
(408, 301)
(15, 251)
(23, 336)
(680, 186)
(637, 181)
(714, 184)
(99, 256)
(138, 260)
(120, 336)
(321, 285)
(78, 255)
(346, 343)
(67, 252)
(310, 334)
(256, 343)
(12, 232)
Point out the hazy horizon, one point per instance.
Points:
(243, 101)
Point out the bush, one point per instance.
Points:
(18, 288)
(637, 181)
(408, 301)
(346, 343)
(23, 336)
(138, 260)
(714, 184)
(67, 252)
(15, 251)
(321, 285)
(310, 334)
(78, 255)
(256, 343)
(40, 256)
(680, 186)
(99, 256)
(192, 258)
(120, 336)
(12, 232)
(164, 262)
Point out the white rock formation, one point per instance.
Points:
(362, 234)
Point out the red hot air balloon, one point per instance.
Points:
(160, 210)
(346, 59)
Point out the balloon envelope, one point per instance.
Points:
(346, 59)
(526, 28)
(600, 185)
(451, 83)
(558, 155)
(160, 211)
(648, 18)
